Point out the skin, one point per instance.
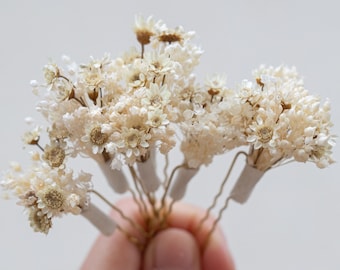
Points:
(180, 246)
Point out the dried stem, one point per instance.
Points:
(142, 51)
(163, 80)
(165, 169)
(138, 180)
(168, 209)
(155, 221)
(40, 147)
(151, 200)
(167, 213)
(101, 97)
(120, 212)
(168, 183)
(140, 208)
(140, 194)
(220, 213)
(134, 240)
(149, 196)
(80, 101)
(217, 196)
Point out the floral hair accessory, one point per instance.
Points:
(128, 113)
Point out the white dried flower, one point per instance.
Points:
(32, 136)
(51, 72)
(144, 28)
(290, 123)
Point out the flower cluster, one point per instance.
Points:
(46, 192)
(124, 112)
(274, 115)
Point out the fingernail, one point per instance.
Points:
(173, 249)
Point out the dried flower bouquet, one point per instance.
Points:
(127, 113)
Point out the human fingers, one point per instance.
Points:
(214, 251)
(186, 217)
(172, 249)
(115, 251)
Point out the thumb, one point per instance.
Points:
(172, 249)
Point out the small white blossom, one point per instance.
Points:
(33, 136)
(45, 192)
(144, 28)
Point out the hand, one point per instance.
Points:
(177, 247)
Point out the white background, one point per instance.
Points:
(292, 220)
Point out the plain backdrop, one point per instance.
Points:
(292, 219)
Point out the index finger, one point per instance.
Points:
(215, 253)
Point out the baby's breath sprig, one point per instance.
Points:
(129, 112)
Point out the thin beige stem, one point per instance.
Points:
(165, 169)
(152, 202)
(168, 183)
(134, 197)
(213, 227)
(218, 195)
(140, 194)
(80, 101)
(282, 164)
(65, 78)
(163, 203)
(134, 240)
(120, 212)
(139, 181)
(167, 213)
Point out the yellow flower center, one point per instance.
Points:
(143, 36)
(156, 121)
(265, 134)
(155, 100)
(97, 137)
(53, 198)
(54, 155)
(170, 38)
(132, 139)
